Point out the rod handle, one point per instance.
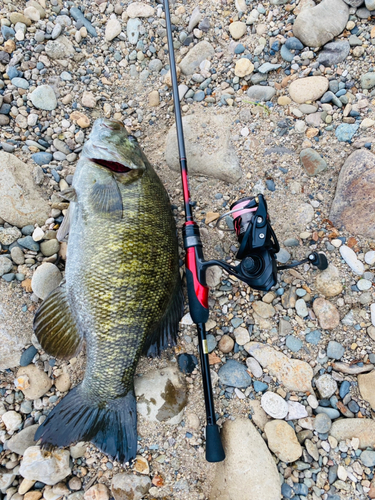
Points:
(214, 447)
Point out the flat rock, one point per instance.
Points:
(112, 29)
(312, 162)
(366, 384)
(9, 234)
(15, 326)
(98, 491)
(237, 29)
(354, 204)
(22, 440)
(49, 467)
(217, 158)
(320, 24)
(44, 97)
(282, 441)
(309, 88)
(248, 462)
(162, 395)
(349, 428)
(21, 202)
(334, 53)
(130, 487)
(201, 51)
(328, 282)
(263, 310)
(326, 313)
(33, 382)
(295, 375)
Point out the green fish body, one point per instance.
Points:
(122, 290)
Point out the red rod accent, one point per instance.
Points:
(200, 291)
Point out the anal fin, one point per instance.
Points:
(55, 327)
(165, 334)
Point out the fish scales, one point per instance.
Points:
(122, 290)
(122, 266)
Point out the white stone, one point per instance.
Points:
(45, 279)
(313, 402)
(242, 335)
(274, 405)
(49, 467)
(12, 420)
(139, 9)
(370, 257)
(372, 309)
(326, 386)
(112, 29)
(186, 320)
(296, 410)
(254, 367)
(363, 285)
(351, 259)
(38, 234)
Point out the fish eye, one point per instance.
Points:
(132, 138)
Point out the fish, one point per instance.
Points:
(121, 294)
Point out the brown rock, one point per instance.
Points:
(263, 310)
(326, 313)
(88, 99)
(226, 344)
(366, 384)
(282, 441)
(295, 375)
(33, 495)
(354, 203)
(40, 383)
(130, 487)
(308, 89)
(62, 382)
(349, 428)
(312, 162)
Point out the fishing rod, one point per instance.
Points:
(248, 217)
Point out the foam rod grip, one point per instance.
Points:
(214, 446)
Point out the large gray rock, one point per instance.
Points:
(46, 278)
(61, 48)
(261, 92)
(22, 440)
(49, 467)
(161, 395)
(354, 204)
(334, 53)
(319, 25)
(200, 52)
(248, 462)
(15, 326)
(209, 150)
(21, 202)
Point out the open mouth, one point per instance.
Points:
(114, 166)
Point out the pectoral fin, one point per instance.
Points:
(106, 198)
(55, 326)
(69, 194)
(65, 227)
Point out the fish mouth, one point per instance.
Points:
(114, 166)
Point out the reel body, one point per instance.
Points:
(258, 246)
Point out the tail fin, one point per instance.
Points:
(112, 428)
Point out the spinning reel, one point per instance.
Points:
(258, 245)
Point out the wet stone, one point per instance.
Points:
(187, 362)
